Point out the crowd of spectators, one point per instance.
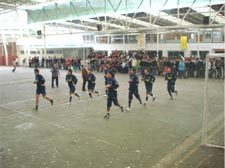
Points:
(63, 63)
(182, 67)
(121, 62)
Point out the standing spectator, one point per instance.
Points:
(191, 69)
(134, 63)
(24, 62)
(55, 75)
(84, 76)
(181, 68)
(199, 68)
(30, 62)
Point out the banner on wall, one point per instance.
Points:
(140, 41)
(183, 42)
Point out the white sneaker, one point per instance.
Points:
(69, 103)
(128, 109)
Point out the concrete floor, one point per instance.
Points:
(164, 134)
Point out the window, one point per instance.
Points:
(203, 54)
(131, 39)
(151, 38)
(192, 37)
(162, 38)
(102, 39)
(22, 52)
(33, 52)
(175, 54)
(194, 53)
(207, 37)
(58, 52)
(173, 37)
(217, 37)
(50, 51)
(117, 39)
(154, 53)
(88, 39)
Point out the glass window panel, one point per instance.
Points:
(117, 39)
(207, 37)
(102, 39)
(217, 37)
(192, 37)
(131, 39)
(151, 38)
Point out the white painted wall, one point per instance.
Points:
(165, 47)
(27, 54)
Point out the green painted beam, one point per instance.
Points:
(74, 9)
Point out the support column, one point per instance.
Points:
(45, 48)
(157, 46)
(5, 48)
(198, 41)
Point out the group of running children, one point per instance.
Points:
(111, 86)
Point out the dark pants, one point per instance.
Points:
(171, 88)
(112, 98)
(57, 81)
(84, 84)
(14, 68)
(133, 91)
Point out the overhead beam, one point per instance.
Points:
(78, 25)
(214, 15)
(218, 12)
(160, 11)
(104, 23)
(132, 20)
(152, 29)
(7, 6)
(137, 10)
(188, 11)
(170, 18)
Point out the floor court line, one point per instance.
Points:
(196, 148)
(16, 81)
(62, 127)
(20, 101)
(172, 155)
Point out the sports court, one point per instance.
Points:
(166, 133)
(159, 66)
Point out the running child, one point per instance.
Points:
(106, 70)
(111, 86)
(148, 79)
(72, 81)
(171, 80)
(40, 82)
(91, 84)
(133, 88)
(14, 66)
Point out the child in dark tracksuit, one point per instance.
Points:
(40, 82)
(171, 80)
(111, 85)
(133, 88)
(149, 79)
(106, 70)
(91, 84)
(72, 81)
